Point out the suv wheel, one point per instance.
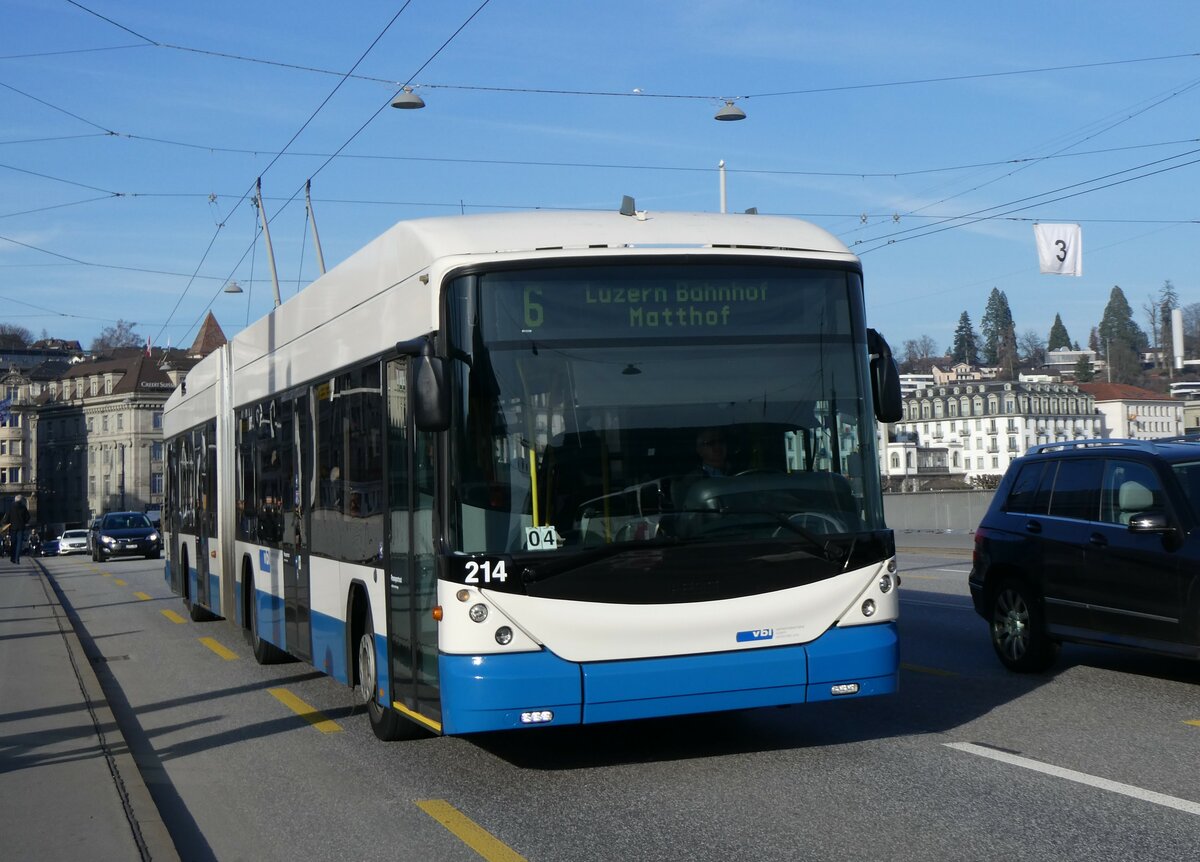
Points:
(1018, 629)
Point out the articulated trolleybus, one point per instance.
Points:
(510, 470)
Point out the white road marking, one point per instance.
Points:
(1178, 804)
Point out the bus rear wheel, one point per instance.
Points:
(264, 651)
(387, 724)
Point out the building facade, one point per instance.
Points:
(98, 433)
(1134, 413)
(976, 429)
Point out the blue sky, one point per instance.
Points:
(148, 224)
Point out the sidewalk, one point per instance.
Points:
(69, 786)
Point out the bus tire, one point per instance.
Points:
(264, 651)
(387, 724)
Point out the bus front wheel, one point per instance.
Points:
(387, 724)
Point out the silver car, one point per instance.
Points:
(73, 542)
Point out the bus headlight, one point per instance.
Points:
(886, 584)
(478, 613)
(868, 608)
(504, 635)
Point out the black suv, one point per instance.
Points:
(1096, 541)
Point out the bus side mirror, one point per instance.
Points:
(885, 379)
(431, 411)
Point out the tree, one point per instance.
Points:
(12, 336)
(919, 354)
(1006, 352)
(1121, 339)
(1032, 349)
(995, 326)
(966, 342)
(1191, 329)
(1083, 370)
(114, 337)
(1058, 335)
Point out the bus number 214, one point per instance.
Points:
(485, 572)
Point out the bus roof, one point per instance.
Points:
(333, 322)
(552, 230)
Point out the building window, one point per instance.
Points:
(156, 483)
(156, 450)
(104, 422)
(157, 419)
(120, 421)
(108, 384)
(895, 461)
(93, 386)
(91, 424)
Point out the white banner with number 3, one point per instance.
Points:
(1060, 248)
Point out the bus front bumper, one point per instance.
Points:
(503, 692)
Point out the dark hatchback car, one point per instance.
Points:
(1093, 542)
(126, 533)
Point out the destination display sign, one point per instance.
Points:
(663, 301)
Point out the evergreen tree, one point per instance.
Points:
(1083, 370)
(966, 342)
(1007, 354)
(1118, 326)
(995, 326)
(1058, 335)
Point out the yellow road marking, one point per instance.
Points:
(1195, 723)
(106, 574)
(214, 645)
(173, 617)
(302, 709)
(469, 832)
(119, 582)
(145, 597)
(916, 668)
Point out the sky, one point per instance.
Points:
(928, 137)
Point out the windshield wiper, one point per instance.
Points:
(531, 575)
(832, 551)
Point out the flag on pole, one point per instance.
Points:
(1060, 248)
(147, 345)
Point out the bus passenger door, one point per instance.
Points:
(412, 573)
(297, 461)
(205, 474)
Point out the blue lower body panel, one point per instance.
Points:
(481, 693)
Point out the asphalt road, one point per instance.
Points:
(1095, 760)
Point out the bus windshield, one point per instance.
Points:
(714, 401)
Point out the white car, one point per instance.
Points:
(73, 542)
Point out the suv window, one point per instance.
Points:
(1129, 488)
(1073, 494)
(1024, 490)
(1188, 475)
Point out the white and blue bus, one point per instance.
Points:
(463, 473)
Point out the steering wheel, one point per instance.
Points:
(814, 522)
(756, 470)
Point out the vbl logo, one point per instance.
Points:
(756, 635)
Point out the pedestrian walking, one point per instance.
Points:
(17, 520)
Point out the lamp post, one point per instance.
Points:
(122, 485)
